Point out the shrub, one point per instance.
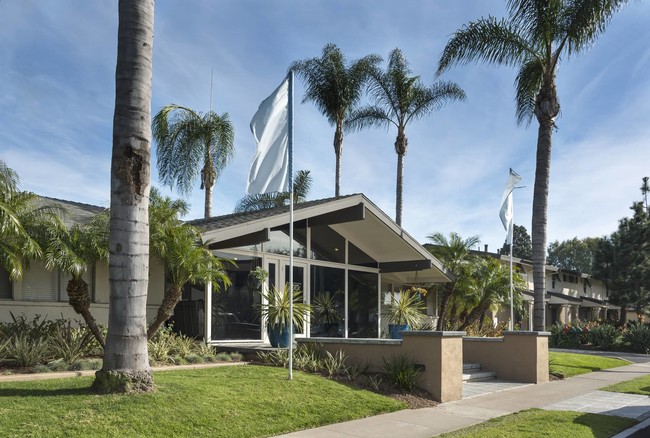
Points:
(278, 358)
(603, 337)
(204, 349)
(638, 337)
(334, 363)
(308, 358)
(88, 364)
(27, 352)
(236, 357)
(181, 345)
(70, 343)
(223, 357)
(57, 365)
(402, 372)
(194, 358)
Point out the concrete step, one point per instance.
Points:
(477, 375)
(471, 366)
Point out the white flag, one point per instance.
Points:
(270, 126)
(506, 212)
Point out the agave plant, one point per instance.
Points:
(407, 309)
(326, 308)
(275, 307)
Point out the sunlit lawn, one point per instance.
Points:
(571, 364)
(640, 385)
(240, 401)
(539, 423)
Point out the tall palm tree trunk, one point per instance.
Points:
(399, 188)
(546, 108)
(126, 361)
(338, 151)
(400, 147)
(208, 177)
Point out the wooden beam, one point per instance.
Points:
(349, 214)
(245, 240)
(405, 266)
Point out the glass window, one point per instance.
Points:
(327, 244)
(279, 240)
(360, 258)
(327, 297)
(5, 284)
(234, 308)
(362, 304)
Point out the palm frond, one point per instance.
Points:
(583, 21)
(489, 40)
(261, 201)
(433, 98)
(366, 117)
(528, 82)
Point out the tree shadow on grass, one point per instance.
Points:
(603, 426)
(29, 392)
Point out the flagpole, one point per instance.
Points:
(290, 142)
(512, 244)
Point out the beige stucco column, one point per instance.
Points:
(441, 353)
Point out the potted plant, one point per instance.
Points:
(256, 278)
(327, 311)
(275, 310)
(404, 312)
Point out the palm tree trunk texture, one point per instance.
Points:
(540, 212)
(166, 309)
(126, 360)
(79, 299)
(475, 315)
(547, 108)
(208, 178)
(446, 294)
(400, 147)
(338, 151)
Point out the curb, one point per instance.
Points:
(641, 427)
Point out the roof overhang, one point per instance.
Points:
(357, 219)
(558, 298)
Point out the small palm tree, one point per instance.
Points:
(23, 220)
(454, 253)
(301, 186)
(185, 257)
(534, 38)
(400, 98)
(74, 251)
(190, 144)
(335, 87)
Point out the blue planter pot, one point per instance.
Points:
(278, 336)
(394, 330)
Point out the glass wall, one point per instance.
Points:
(234, 313)
(362, 304)
(279, 240)
(327, 244)
(327, 297)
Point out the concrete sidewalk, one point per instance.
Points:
(578, 393)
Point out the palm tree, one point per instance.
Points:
(645, 189)
(16, 245)
(335, 87)
(454, 253)
(301, 185)
(534, 38)
(190, 144)
(400, 98)
(74, 251)
(126, 361)
(185, 257)
(491, 287)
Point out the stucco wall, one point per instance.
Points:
(518, 356)
(99, 307)
(440, 353)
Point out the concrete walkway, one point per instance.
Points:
(580, 393)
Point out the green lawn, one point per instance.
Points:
(640, 385)
(571, 364)
(240, 401)
(539, 423)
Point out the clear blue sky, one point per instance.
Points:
(57, 65)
